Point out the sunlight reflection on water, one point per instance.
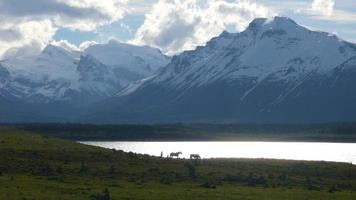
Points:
(339, 152)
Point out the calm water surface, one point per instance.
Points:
(340, 152)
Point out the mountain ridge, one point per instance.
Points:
(274, 71)
(69, 79)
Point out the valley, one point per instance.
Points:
(177, 99)
(327, 132)
(44, 168)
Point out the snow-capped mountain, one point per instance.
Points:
(4, 76)
(72, 78)
(53, 63)
(274, 71)
(129, 61)
(45, 77)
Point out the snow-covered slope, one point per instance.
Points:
(75, 79)
(4, 76)
(140, 61)
(53, 63)
(265, 47)
(57, 70)
(44, 77)
(275, 70)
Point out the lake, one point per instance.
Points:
(339, 152)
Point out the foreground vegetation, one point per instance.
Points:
(330, 132)
(36, 167)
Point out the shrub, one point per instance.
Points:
(59, 170)
(165, 180)
(46, 170)
(332, 189)
(283, 177)
(83, 168)
(104, 195)
(112, 169)
(209, 184)
(251, 180)
(191, 170)
(310, 185)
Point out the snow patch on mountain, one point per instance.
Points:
(265, 47)
(269, 49)
(53, 63)
(141, 60)
(63, 74)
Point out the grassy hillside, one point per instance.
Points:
(35, 167)
(330, 132)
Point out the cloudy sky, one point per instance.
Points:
(171, 25)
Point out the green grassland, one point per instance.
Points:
(328, 132)
(34, 167)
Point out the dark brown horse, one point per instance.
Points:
(175, 154)
(195, 156)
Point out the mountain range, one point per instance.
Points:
(275, 71)
(61, 83)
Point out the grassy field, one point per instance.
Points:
(34, 167)
(329, 132)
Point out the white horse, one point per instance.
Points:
(195, 156)
(175, 154)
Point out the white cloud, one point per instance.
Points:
(32, 37)
(94, 13)
(323, 7)
(140, 6)
(84, 15)
(34, 22)
(338, 16)
(177, 25)
(325, 10)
